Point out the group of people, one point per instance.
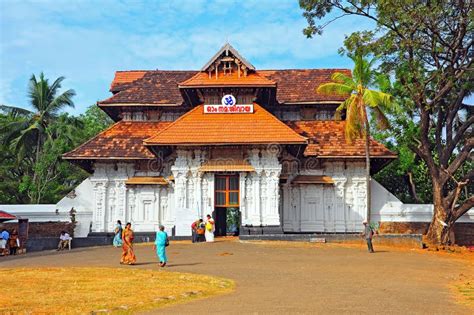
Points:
(9, 242)
(203, 231)
(124, 238)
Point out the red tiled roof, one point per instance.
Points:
(123, 140)
(197, 128)
(155, 87)
(326, 139)
(123, 77)
(161, 87)
(6, 216)
(299, 85)
(202, 79)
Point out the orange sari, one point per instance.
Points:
(128, 256)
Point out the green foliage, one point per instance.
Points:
(32, 143)
(427, 48)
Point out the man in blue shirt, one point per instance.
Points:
(3, 242)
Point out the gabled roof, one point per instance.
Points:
(123, 140)
(299, 85)
(196, 128)
(159, 87)
(202, 79)
(227, 48)
(156, 87)
(123, 77)
(326, 140)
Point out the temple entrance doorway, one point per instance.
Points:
(226, 208)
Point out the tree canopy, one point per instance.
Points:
(428, 49)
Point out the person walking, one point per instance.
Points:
(369, 234)
(128, 256)
(14, 242)
(210, 227)
(194, 228)
(161, 242)
(117, 242)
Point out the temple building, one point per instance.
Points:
(257, 149)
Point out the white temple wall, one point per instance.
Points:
(327, 208)
(145, 206)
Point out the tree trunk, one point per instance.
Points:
(438, 232)
(367, 165)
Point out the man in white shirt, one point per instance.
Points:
(64, 240)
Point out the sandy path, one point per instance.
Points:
(295, 279)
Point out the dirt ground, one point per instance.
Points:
(282, 278)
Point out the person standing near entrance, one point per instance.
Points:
(161, 242)
(194, 228)
(210, 227)
(128, 256)
(368, 233)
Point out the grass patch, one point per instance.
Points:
(97, 290)
(466, 290)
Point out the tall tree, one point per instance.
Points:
(361, 99)
(30, 131)
(428, 47)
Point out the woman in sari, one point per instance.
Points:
(128, 256)
(161, 241)
(210, 229)
(117, 242)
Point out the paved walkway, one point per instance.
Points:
(296, 279)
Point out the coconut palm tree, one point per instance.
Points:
(28, 131)
(360, 100)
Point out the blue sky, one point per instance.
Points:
(87, 41)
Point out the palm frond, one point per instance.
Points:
(61, 101)
(376, 98)
(334, 88)
(352, 128)
(15, 111)
(339, 77)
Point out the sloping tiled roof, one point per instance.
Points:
(197, 128)
(202, 79)
(161, 86)
(123, 140)
(123, 77)
(326, 139)
(299, 85)
(6, 216)
(155, 87)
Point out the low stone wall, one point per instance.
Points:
(463, 232)
(402, 240)
(43, 229)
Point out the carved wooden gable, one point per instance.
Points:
(227, 62)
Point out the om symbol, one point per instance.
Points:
(228, 100)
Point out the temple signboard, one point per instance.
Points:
(235, 109)
(228, 106)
